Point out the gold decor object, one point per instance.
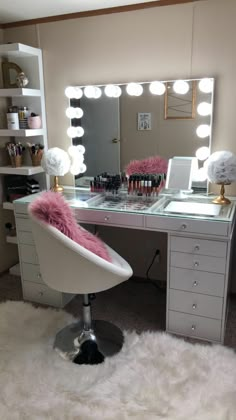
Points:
(56, 187)
(6, 74)
(221, 199)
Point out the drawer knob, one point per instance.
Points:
(196, 248)
(194, 306)
(39, 275)
(195, 283)
(196, 264)
(40, 294)
(193, 328)
(183, 226)
(106, 218)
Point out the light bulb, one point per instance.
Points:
(157, 88)
(83, 168)
(201, 175)
(203, 130)
(117, 92)
(73, 92)
(75, 169)
(71, 132)
(204, 109)
(78, 113)
(112, 91)
(81, 149)
(134, 89)
(79, 131)
(89, 91)
(97, 92)
(181, 87)
(206, 85)
(70, 112)
(72, 150)
(203, 153)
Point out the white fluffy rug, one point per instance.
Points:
(155, 376)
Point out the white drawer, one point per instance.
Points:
(31, 272)
(23, 224)
(198, 262)
(40, 293)
(28, 254)
(194, 326)
(197, 281)
(186, 225)
(25, 238)
(109, 218)
(195, 304)
(198, 246)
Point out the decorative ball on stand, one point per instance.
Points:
(221, 169)
(56, 162)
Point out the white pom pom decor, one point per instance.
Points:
(56, 162)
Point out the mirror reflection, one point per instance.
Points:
(120, 123)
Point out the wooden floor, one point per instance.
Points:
(133, 305)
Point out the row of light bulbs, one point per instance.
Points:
(136, 89)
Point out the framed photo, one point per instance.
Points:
(144, 121)
(180, 106)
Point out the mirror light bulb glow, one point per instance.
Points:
(74, 112)
(81, 149)
(203, 131)
(181, 87)
(73, 92)
(112, 91)
(92, 92)
(71, 132)
(201, 175)
(203, 153)
(79, 131)
(83, 168)
(134, 89)
(157, 88)
(204, 109)
(206, 85)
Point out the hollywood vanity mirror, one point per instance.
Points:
(121, 122)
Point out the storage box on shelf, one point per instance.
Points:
(29, 59)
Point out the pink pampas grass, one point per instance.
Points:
(151, 165)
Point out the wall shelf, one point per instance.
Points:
(22, 170)
(22, 133)
(11, 239)
(7, 93)
(18, 50)
(7, 205)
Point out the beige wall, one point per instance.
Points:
(189, 40)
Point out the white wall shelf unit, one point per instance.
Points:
(22, 133)
(15, 92)
(22, 170)
(29, 59)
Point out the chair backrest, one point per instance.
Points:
(68, 267)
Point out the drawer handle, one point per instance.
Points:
(194, 306)
(196, 264)
(197, 248)
(193, 328)
(106, 218)
(40, 294)
(39, 276)
(183, 226)
(195, 283)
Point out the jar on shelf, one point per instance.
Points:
(13, 118)
(23, 117)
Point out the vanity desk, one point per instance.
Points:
(200, 238)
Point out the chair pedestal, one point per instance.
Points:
(87, 341)
(108, 337)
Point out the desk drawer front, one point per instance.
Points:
(41, 293)
(197, 281)
(28, 254)
(109, 218)
(186, 225)
(194, 326)
(25, 238)
(198, 246)
(195, 304)
(198, 262)
(31, 272)
(23, 224)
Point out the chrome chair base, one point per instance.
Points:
(104, 337)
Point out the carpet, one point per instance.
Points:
(155, 376)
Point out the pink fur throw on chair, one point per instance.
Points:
(151, 165)
(51, 207)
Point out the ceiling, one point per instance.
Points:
(20, 10)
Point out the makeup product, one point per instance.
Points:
(12, 118)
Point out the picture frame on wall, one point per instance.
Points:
(144, 121)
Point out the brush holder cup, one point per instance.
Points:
(36, 158)
(16, 161)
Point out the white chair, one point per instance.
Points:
(68, 267)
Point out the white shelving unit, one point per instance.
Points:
(29, 59)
